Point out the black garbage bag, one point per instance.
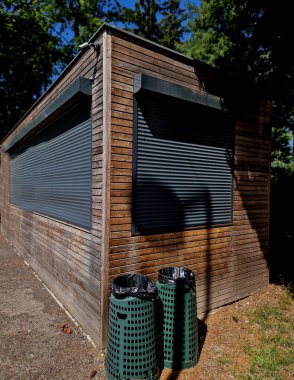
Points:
(177, 276)
(134, 285)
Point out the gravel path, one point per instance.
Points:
(37, 339)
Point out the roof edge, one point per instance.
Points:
(100, 31)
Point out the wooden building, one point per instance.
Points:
(138, 158)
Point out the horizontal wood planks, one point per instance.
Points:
(67, 258)
(229, 262)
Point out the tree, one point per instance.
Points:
(171, 24)
(28, 53)
(78, 20)
(250, 38)
(143, 19)
(282, 151)
(158, 21)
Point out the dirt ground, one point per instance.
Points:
(224, 335)
(39, 341)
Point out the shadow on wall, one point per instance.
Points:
(251, 169)
(167, 214)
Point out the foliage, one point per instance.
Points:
(144, 21)
(28, 53)
(79, 19)
(37, 40)
(171, 24)
(250, 38)
(282, 151)
(208, 41)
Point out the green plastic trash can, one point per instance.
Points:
(176, 290)
(131, 351)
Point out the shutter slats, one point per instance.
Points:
(53, 175)
(183, 166)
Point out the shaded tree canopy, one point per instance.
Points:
(250, 38)
(143, 19)
(158, 21)
(78, 20)
(37, 40)
(28, 53)
(171, 24)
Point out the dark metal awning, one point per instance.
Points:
(149, 83)
(77, 90)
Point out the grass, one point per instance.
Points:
(252, 339)
(273, 357)
(224, 361)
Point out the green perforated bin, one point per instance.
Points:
(180, 335)
(131, 351)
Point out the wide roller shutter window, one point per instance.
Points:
(183, 165)
(52, 174)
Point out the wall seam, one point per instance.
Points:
(106, 168)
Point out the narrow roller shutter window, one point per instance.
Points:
(52, 173)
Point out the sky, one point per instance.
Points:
(127, 3)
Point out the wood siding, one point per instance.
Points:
(229, 262)
(78, 265)
(66, 257)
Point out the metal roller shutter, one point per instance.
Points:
(183, 165)
(52, 174)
